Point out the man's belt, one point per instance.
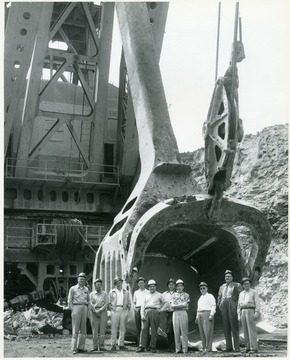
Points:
(151, 308)
(119, 305)
(137, 307)
(247, 307)
(81, 304)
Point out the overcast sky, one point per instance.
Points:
(188, 63)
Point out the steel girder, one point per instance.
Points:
(35, 55)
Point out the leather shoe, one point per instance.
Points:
(82, 351)
(153, 350)
(122, 348)
(140, 349)
(113, 348)
(103, 349)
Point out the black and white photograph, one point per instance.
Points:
(145, 178)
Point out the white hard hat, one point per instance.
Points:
(152, 282)
(179, 281)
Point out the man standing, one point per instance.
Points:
(167, 296)
(138, 298)
(206, 308)
(180, 301)
(120, 304)
(248, 310)
(150, 314)
(227, 301)
(98, 306)
(78, 300)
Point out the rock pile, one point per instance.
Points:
(31, 322)
(260, 178)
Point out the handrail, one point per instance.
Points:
(50, 170)
(91, 237)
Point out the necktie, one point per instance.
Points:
(226, 291)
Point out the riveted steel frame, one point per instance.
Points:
(70, 61)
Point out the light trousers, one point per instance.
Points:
(249, 328)
(205, 329)
(79, 317)
(99, 325)
(180, 327)
(118, 323)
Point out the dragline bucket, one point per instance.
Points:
(164, 229)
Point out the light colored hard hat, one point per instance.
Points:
(152, 282)
(179, 281)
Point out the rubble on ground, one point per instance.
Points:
(36, 320)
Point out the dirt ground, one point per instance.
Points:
(59, 346)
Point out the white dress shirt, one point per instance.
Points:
(139, 296)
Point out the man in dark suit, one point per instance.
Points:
(228, 297)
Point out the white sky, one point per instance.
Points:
(188, 63)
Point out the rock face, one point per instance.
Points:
(260, 178)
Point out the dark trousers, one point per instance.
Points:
(230, 323)
(138, 323)
(152, 318)
(169, 330)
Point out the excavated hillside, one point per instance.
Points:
(260, 178)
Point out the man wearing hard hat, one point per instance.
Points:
(138, 298)
(206, 308)
(150, 315)
(119, 304)
(167, 296)
(248, 311)
(180, 301)
(78, 300)
(228, 297)
(98, 306)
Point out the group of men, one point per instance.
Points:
(235, 304)
(94, 305)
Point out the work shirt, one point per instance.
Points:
(99, 300)
(249, 299)
(152, 300)
(139, 296)
(78, 296)
(207, 302)
(115, 296)
(120, 297)
(167, 296)
(180, 299)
